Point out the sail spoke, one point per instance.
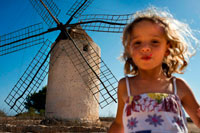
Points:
(76, 5)
(21, 39)
(41, 10)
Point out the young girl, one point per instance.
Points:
(155, 47)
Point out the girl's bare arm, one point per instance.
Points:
(189, 102)
(117, 125)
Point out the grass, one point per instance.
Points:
(31, 114)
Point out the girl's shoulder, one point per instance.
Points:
(182, 84)
(122, 89)
(182, 87)
(122, 84)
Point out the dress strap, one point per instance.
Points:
(174, 85)
(127, 86)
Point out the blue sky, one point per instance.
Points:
(18, 14)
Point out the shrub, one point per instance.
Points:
(2, 113)
(36, 101)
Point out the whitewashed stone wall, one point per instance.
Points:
(68, 97)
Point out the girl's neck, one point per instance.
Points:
(156, 74)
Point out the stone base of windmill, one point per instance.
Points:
(68, 97)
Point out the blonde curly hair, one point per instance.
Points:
(178, 34)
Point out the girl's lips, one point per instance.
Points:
(147, 57)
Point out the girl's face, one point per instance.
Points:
(148, 45)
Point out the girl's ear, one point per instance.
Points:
(128, 50)
(167, 49)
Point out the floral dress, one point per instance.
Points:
(154, 113)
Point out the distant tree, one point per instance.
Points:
(36, 101)
(2, 113)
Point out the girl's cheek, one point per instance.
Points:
(198, 112)
(131, 49)
(135, 49)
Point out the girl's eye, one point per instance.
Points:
(136, 44)
(155, 42)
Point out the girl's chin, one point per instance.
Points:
(147, 68)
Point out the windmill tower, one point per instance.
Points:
(72, 51)
(68, 97)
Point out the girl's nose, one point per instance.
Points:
(146, 49)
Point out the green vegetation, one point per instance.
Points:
(31, 114)
(2, 113)
(35, 103)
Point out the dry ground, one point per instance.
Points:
(41, 125)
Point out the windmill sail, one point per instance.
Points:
(21, 39)
(43, 12)
(31, 80)
(104, 22)
(76, 5)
